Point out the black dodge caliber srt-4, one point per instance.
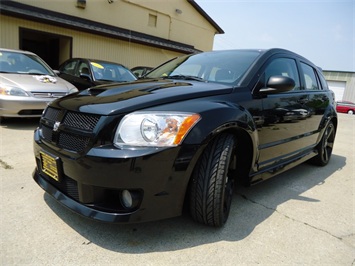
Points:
(188, 132)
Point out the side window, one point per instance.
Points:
(83, 69)
(283, 67)
(323, 81)
(310, 77)
(69, 68)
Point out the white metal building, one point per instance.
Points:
(342, 83)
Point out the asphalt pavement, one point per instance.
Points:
(305, 216)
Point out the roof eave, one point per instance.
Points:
(199, 9)
(15, 9)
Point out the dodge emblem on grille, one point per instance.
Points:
(56, 126)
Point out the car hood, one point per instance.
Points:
(35, 83)
(121, 98)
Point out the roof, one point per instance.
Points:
(93, 60)
(16, 51)
(339, 71)
(24, 11)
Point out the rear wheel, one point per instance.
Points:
(211, 189)
(350, 112)
(325, 147)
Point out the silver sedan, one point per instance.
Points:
(28, 84)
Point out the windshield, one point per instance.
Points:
(218, 66)
(18, 63)
(111, 72)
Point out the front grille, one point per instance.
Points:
(81, 121)
(66, 185)
(52, 114)
(47, 133)
(48, 94)
(68, 137)
(71, 188)
(73, 142)
(31, 112)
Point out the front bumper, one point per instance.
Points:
(16, 106)
(91, 185)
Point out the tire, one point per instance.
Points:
(350, 112)
(325, 147)
(212, 185)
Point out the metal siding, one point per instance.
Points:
(88, 45)
(189, 27)
(7, 37)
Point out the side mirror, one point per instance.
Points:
(278, 84)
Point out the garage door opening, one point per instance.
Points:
(338, 87)
(52, 48)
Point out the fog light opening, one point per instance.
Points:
(130, 199)
(126, 198)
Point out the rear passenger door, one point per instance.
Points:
(319, 95)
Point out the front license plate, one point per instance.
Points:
(50, 165)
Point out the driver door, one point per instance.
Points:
(285, 115)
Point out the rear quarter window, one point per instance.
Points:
(69, 68)
(323, 82)
(310, 77)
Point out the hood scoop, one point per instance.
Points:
(144, 88)
(93, 91)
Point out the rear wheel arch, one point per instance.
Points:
(335, 122)
(325, 146)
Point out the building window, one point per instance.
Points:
(152, 20)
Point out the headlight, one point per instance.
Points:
(12, 91)
(157, 129)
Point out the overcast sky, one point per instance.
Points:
(321, 30)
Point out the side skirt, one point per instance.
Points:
(280, 167)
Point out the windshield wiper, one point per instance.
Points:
(186, 77)
(34, 73)
(37, 74)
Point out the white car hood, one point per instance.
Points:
(35, 83)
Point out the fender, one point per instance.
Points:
(329, 115)
(235, 117)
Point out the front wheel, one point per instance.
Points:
(211, 189)
(350, 112)
(325, 147)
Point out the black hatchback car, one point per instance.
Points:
(185, 135)
(84, 73)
